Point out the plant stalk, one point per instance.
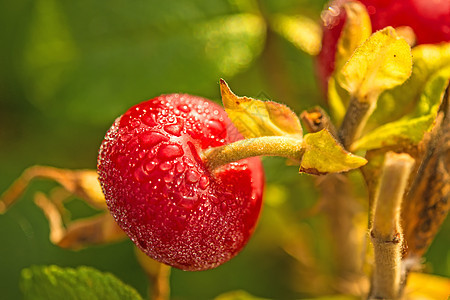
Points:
(386, 234)
(358, 112)
(283, 146)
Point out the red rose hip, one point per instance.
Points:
(162, 194)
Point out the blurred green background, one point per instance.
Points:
(68, 68)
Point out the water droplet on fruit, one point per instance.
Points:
(216, 127)
(180, 167)
(169, 177)
(134, 123)
(175, 129)
(152, 138)
(140, 174)
(150, 166)
(142, 153)
(223, 206)
(125, 138)
(149, 119)
(166, 166)
(184, 108)
(214, 199)
(188, 202)
(203, 182)
(170, 151)
(192, 176)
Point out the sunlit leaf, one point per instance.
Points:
(382, 62)
(429, 61)
(303, 32)
(53, 282)
(357, 29)
(323, 154)
(255, 118)
(411, 128)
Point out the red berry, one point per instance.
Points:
(161, 193)
(429, 19)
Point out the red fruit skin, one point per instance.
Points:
(430, 20)
(160, 193)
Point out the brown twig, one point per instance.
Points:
(81, 183)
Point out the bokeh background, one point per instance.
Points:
(68, 68)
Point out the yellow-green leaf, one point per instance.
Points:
(357, 29)
(412, 127)
(428, 62)
(382, 62)
(303, 32)
(255, 118)
(323, 154)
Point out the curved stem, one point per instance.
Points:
(266, 145)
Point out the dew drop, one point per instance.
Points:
(141, 154)
(125, 138)
(203, 182)
(152, 138)
(134, 123)
(184, 108)
(170, 151)
(214, 199)
(149, 119)
(192, 176)
(188, 202)
(140, 174)
(180, 167)
(175, 129)
(165, 166)
(223, 206)
(169, 177)
(150, 166)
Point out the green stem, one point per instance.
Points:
(266, 145)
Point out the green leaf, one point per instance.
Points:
(382, 62)
(238, 295)
(323, 154)
(357, 29)
(303, 32)
(255, 118)
(53, 282)
(428, 62)
(412, 127)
